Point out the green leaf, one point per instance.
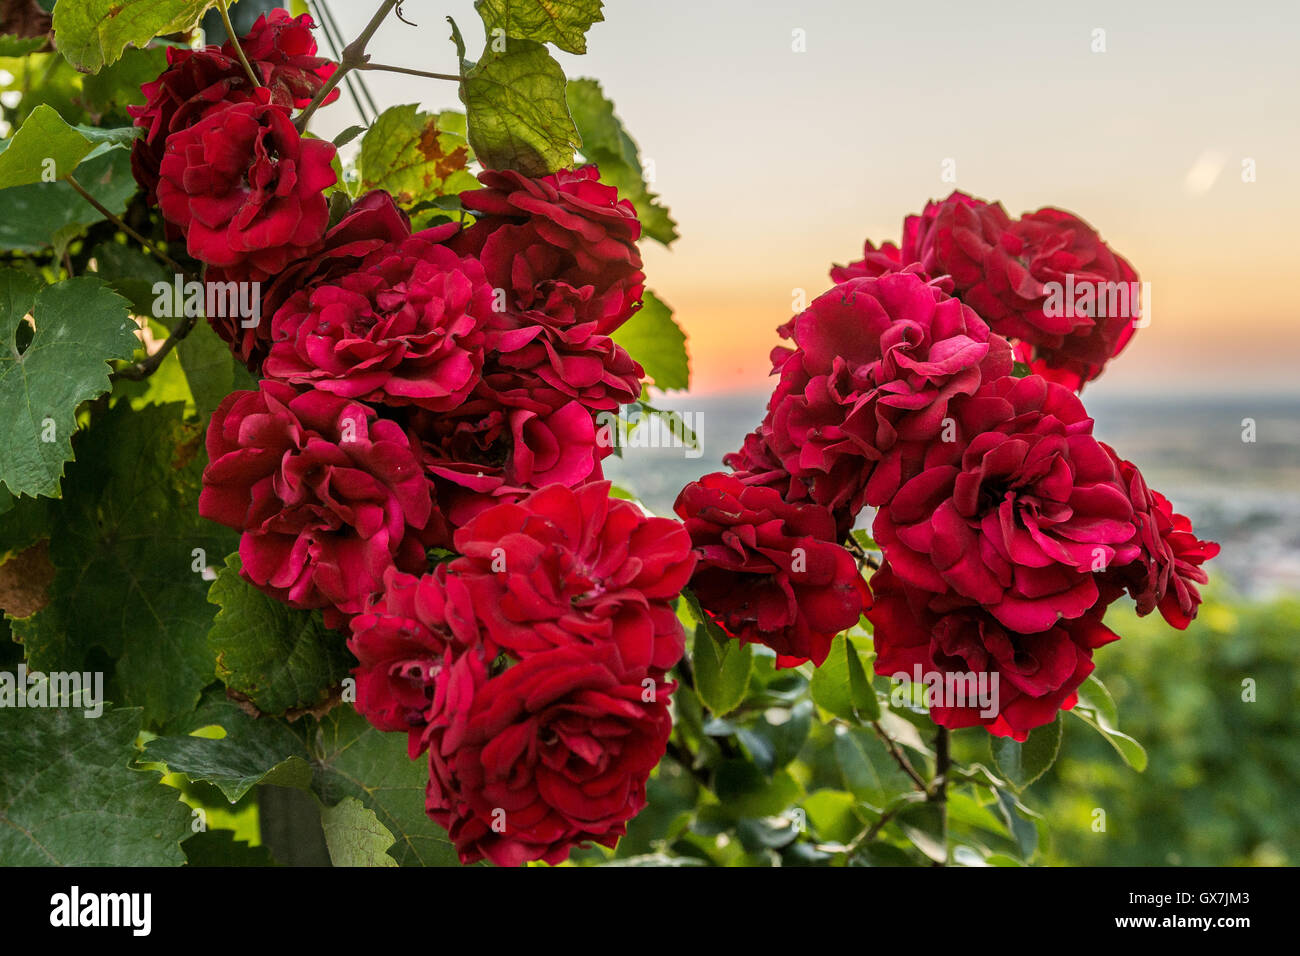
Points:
(924, 826)
(130, 549)
(114, 88)
(44, 149)
(80, 325)
(347, 136)
(21, 46)
(280, 658)
(517, 115)
(658, 343)
(1023, 763)
(722, 668)
(132, 273)
(355, 836)
(841, 685)
(37, 217)
(209, 367)
(353, 759)
(562, 22)
(744, 791)
(1096, 708)
(69, 795)
(414, 156)
(251, 752)
(606, 143)
(93, 33)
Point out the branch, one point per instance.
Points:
(354, 57)
(143, 369)
(117, 221)
(234, 41)
(900, 758)
(384, 67)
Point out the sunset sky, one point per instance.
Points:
(777, 163)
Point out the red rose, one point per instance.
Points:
(405, 328)
(563, 244)
(554, 751)
(1027, 678)
(281, 48)
(1168, 568)
(1018, 516)
(409, 644)
(573, 566)
(245, 189)
(770, 572)
(877, 364)
(328, 497)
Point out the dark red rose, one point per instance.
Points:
(328, 497)
(770, 572)
(1168, 568)
(564, 244)
(282, 50)
(246, 189)
(409, 644)
(868, 387)
(405, 328)
(573, 566)
(1026, 678)
(954, 238)
(1018, 516)
(554, 751)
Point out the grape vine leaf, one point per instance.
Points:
(415, 155)
(70, 796)
(79, 325)
(516, 111)
(606, 143)
(130, 549)
(252, 751)
(354, 835)
(350, 758)
(658, 343)
(35, 217)
(44, 149)
(562, 22)
(93, 33)
(280, 658)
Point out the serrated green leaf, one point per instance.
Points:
(43, 149)
(124, 545)
(606, 143)
(722, 670)
(414, 156)
(253, 751)
(562, 22)
(80, 325)
(1023, 763)
(69, 795)
(279, 657)
(516, 111)
(93, 33)
(658, 343)
(355, 836)
(352, 759)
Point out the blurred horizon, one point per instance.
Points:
(778, 163)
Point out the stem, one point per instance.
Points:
(408, 71)
(234, 40)
(900, 758)
(354, 56)
(939, 785)
(143, 369)
(117, 221)
(861, 555)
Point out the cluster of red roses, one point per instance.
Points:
(1006, 527)
(432, 397)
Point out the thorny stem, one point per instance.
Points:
(352, 58)
(117, 221)
(234, 41)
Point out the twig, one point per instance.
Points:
(861, 555)
(384, 67)
(899, 757)
(234, 41)
(117, 221)
(354, 56)
(939, 786)
(143, 369)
